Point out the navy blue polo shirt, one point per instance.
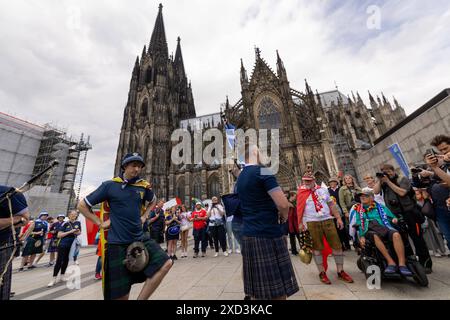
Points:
(19, 206)
(259, 212)
(125, 202)
(67, 226)
(40, 225)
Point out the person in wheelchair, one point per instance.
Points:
(375, 222)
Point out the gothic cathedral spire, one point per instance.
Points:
(158, 42)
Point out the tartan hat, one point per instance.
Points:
(130, 157)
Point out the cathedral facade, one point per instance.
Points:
(323, 130)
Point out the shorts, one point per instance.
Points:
(319, 229)
(381, 231)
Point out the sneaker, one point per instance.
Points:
(195, 255)
(77, 263)
(238, 251)
(98, 276)
(31, 267)
(225, 254)
(437, 255)
(175, 257)
(203, 254)
(216, 254)
(230, 251)
(404, 271)
(391, 269)
(344, 277)
(323, 277)
(63, 278)
(20, 270)
(52, 283)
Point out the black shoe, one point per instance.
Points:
(175, 257)
(428, 270)
(31, 267)
(295, 253)
(247, 298)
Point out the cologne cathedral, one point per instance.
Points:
(323, 130)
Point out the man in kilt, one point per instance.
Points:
(35, 242)
(268, 271)
(129, 198)
(20, 218)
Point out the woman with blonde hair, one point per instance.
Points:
(347, 194)
(185, 227)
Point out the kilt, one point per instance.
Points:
(52, 246)
(30, 248)
(118, 280)
(268, 271)
(5, 253)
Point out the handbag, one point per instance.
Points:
(174, 230)
(186, 227)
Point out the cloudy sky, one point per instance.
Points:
(69, 62)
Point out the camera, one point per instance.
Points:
(380, 174)
(430, 151)
(416, 170)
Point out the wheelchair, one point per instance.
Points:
(371, 256)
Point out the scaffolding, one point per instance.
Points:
(71, 154)
(79, 152)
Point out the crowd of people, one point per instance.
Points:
(257, 221)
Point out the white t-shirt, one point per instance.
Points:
(310, 213)
(215, 214)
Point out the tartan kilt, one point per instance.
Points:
(118, 280)
(268, 271)
(30, 249)
(5, 253)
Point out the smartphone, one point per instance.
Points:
(430, 151)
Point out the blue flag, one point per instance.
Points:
(398, 156)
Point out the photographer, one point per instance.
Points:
(217, 226)
(400, 199)
(439, 190)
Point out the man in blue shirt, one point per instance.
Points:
(20, 216)
(268, 271)
(130, 199)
